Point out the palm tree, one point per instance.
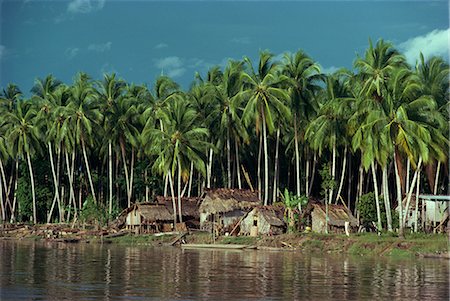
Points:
(180, 142)
(265, 96)
(304, 76)
(23, 139)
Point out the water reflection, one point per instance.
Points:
(54, 271)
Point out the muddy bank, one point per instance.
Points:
(368, 244)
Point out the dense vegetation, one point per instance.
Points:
(100, 145)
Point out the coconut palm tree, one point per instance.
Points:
(305, 77)
(265, 96)
(23, 139)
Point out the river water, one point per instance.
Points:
(58, 271)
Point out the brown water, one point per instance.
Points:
(56, 271)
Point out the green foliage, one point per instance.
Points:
(93, 213)
(327, 180)
(293, 201)
(368, 211)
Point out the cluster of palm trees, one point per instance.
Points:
(265, 127)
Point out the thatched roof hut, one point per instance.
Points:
(189, 206)
(222, 200)
(264, 220)
(338, 215)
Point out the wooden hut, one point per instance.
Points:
(338, 215)
(224, 207)
(189, 209)
(147, 217)
(266, 220)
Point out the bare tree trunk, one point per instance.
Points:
(190, 179)
(238, 167)
(436, 179)
(209, 169)
(147, 189)
(266, 161)
(228, 159)
(377, 200)
(110, 173)
(313, 173)
(33, 193)
(125, 167)
(55, 183)
(70, 175)
(307, 175)
(359, 188)
(408, 171)
(341, 183)
(399, 195)
(297, 157)
(6, 187)
(417, 204)
(166, 181)
(333, 172)
(130, 185)
(387, 201)
(411, 188)
(275, 173)
(259, 168)
(88, 171)
(13, 211)
(58, 168)
(179, 192)
(174, 205)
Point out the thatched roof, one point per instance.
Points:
(337, 214)
(153, 212)
(189, 206)
(223, 200)
(273, 215)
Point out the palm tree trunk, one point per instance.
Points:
(88, 170)
(33, 193)
(174, 205)
(387, 201)
(308, 163)
(238, 164)
(58, 168)
(275, 172)
(190, 179)
(266, 160)
(70, 175)
(333, 171)
(6, 189)
(297, 157)
(341, 183)
(2, 204)
(417, 204)
(130, 185)
(436, 178)
(13, 211)
(377, 200)
(313, 174)
(228, 159)
(259, 167)
(166, 181)
(147, 188)
(408, 170)
(411, 188)
(125, 167)
(399, 195)
(209, 168)
(110, 173)
(359, 188)
(55, 183)
(180, 219)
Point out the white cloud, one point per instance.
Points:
(102, 47)
(72, 52)
(329, 70)
(173, 66)
(85, 6)
(161, 46)
(435, 42)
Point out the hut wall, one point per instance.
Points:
(247, 223)
(229, 218)
(133, 218)
(435, 210)
(318, 222)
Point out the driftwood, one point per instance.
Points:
(178, 238)
(118, 234)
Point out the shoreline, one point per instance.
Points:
(361, 244)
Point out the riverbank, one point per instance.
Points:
(365, 244)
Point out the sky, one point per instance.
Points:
(140, 40)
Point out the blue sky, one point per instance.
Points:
(139, 40)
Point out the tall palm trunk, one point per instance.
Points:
(125, 167)
(228, 159)
(416, 215)
(172, 193)
(333, 172)
(238, 164)
(191, 172)
(307, 167)
(33, 193)
(5, 186)
(387, 201)
(341, 183)
(408, 171)
(259, 167)
(266, 160)
(399, 194)
(313, 173)
(130, 185)
(275, 173)
(55, 183)
(377, 200)
(13, 211)
(88, 169)
(209, 168)
(110, 173)
(436, 178)
(297, 157)
(180, 218)
(411, 188)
